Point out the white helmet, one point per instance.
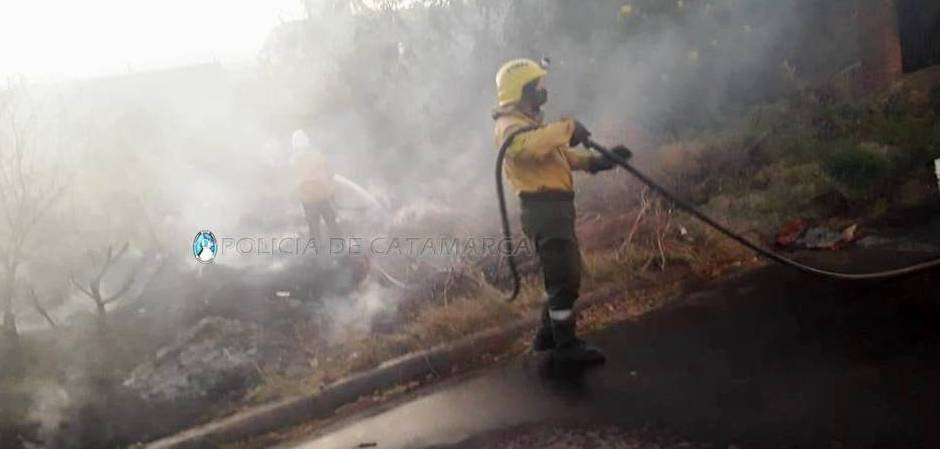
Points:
(299, 140)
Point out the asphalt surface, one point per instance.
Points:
(774, 358)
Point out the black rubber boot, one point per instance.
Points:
(544, 336)
(544, 340)
(570, 349)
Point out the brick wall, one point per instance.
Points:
(879, 44)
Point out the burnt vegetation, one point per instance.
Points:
(112, 334)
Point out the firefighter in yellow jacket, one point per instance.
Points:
(314, 185)
(538, 164)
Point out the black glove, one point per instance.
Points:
(580, 134)
(599, 164)
(623, 152)
(602, 163)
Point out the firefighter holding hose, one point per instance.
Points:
(314, 185)
(538, 164)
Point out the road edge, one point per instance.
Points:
(419, 365)
(287, 412)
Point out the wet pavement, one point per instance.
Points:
(774, 358)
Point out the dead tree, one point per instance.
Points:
(37, 305)
(29, 188)
(93, 289)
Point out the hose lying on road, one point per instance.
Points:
(688, 208)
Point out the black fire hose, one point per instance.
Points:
(504, 216)
(691, 210)
(688, 208)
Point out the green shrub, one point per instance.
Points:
(902, 131)
(934, 100)
(858, 171)
(838, 120)
(915, 157)
(795, 146)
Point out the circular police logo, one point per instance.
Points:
(205, 246)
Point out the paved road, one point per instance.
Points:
(771, 359)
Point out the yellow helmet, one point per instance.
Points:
(512, 76)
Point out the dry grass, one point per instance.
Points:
(433, 324)
(641, 254)
(640, 262)
(437, 323)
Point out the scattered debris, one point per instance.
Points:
(796, 233)
(819, 238)
(823, 238)
(848, 234)
(685, 235)
(790, 232)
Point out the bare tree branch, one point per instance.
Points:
(94, 284)
(39, 307)
(80, 288)
(122, 251)
(29, 187)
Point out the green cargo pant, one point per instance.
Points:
(549, 224)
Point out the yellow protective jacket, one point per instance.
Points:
(538, 160)
(313, 177)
